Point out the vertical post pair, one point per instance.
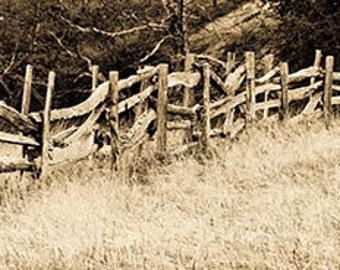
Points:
(327, 95)
(161, 138)
(25, 108)
(251, 87)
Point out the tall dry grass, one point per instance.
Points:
(270, 200)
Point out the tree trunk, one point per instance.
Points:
(182, 41)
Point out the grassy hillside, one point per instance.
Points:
(269, 200)
(250, 26)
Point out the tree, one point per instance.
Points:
(71, 36)
(306, 26)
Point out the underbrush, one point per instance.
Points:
(269, 200)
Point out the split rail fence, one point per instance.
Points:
(216, 99)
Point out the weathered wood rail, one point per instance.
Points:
(215, 103)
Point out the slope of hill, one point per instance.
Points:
(249, 27)
(266, 201)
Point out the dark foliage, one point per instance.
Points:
(307, 26)
(70, 36)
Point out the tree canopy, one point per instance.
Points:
(307, 26)
(71, 36)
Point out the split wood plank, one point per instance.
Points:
(250, 86)
(184, 124)
(162, 102)
(268, 66)
(327, 98)
(303, 92)
(206, 109)
(46, 125)
(114, 121)
(95, 72)
(284, 72)
(26, 97)
(268, 76)
(13, 165)
(135, 99)
(21, 122)
(17, 139)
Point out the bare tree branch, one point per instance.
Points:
(91, 29)
(212, 59)
(101, 76)
(5, 87)
(156, 48)
(87, 60)
(84, 74)
(10, 65)
(60, 43)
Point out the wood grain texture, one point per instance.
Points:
(19, 121)
(161, 138)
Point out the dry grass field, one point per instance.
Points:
(270, 200)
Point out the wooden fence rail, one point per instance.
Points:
(215, 103)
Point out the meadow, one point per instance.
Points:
(268, 200)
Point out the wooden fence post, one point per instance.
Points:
(284, 71)
(327, 98)
(189, 97)
(114, 121)
(206, 109)
(162, 101)
(230, 63)
(95, 72)
(268, 66)
(317, 63)
(250, 86)
(26, 100)
(26, 97)
(47, 125)
(138, 112)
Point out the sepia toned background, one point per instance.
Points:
(262, 194)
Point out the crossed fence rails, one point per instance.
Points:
(218, 99)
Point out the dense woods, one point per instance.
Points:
(71, 36)
(306, 26)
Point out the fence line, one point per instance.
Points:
(215, 103)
